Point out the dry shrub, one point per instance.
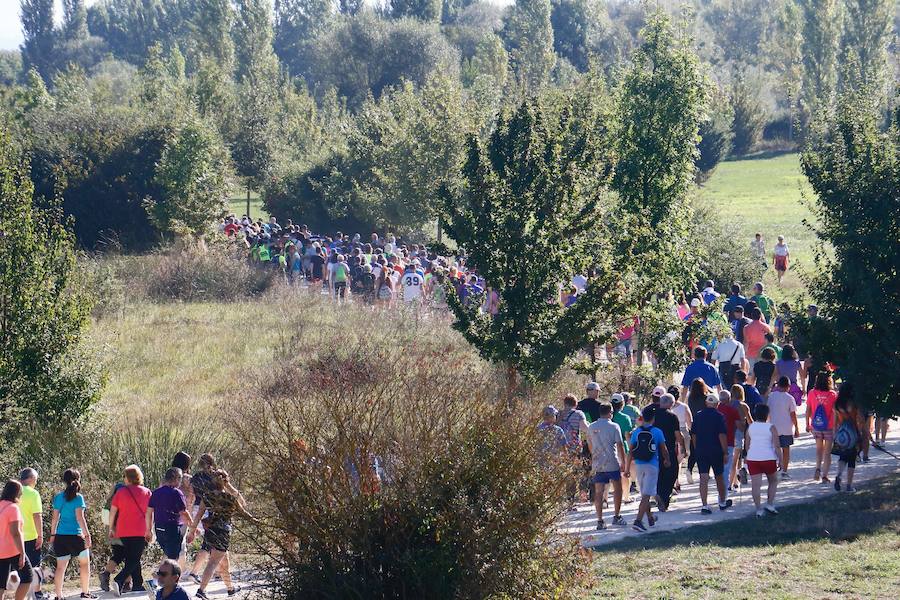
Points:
(218, 272)
(463, 502)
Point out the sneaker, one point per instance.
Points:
(785, 475)
(39, 595)
(727, 504)
(705, 510)
(88, 595)
(743, 476)
(638, 526)
(195, 577)
(690, 478)
(651, 520)
(600, 525)
(837, 483)
(825, 481)
(770, 509)
(233, 591)
(201, 594)
(619, 520)
(114, 588)
(633, 489)
(760, 513)
(104, 581)
(818, 475)
(126, 587)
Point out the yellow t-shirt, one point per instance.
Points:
(30, 504)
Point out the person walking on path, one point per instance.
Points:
(129, 523)
(699, 369)
(758, 250)
(685, 420)
(764, 303)
(223, 502)
(755, 337)
(33, 512)
(820, 422)
(168, 574)
(12, 544)
(761, 445)
(783, 416)
(709, 435)
(847, 436)
(648, 444)
(626, 425)
(780, 257)
(70, 535)
(668, 423)
(732, 416)
(167, 514)
(791, 367)
(607, 463)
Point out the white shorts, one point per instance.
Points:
(647, 476)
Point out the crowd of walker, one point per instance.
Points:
(186, 504)
(733, 416)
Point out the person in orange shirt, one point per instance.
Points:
(755, 337)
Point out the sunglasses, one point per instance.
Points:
(163, 573)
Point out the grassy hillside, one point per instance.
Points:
(237, 204)
(764, 195)
(846, 547)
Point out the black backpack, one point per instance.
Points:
(645, 448)
(727, 370)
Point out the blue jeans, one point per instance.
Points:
(728, 463)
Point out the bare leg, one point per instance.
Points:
(84, 571)
(850, 476)
(599, 496)
(704, 487)
(826, 459)
(785, 458)
(201, 558)
(59, 576)
(720, 487)
(773, 487)
(756, 484)
(617, 496)
(820, 444)
(215, 557)
(225, 570)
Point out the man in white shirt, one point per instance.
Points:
(783, 415)
(731, 357)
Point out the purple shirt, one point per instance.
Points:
(167, 503)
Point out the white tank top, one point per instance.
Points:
(680, 411)
(760, 442)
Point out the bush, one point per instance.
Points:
(725, 254)
(389, 468)
(749, 117)
(194, 275)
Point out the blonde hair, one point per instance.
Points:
(737, 393)
(134, 475)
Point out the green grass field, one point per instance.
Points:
(237, 204)
(846, 546)
(765, 195)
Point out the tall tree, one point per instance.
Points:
(528, 201)
(43, 314)
(854, 170)
(40, 37)
(75, 20)
(784, 57)
(867, 35)
(739, 27)
(820, 34)
(528, 34)
(208, 26)
(749, 116)
(424, 10)
(297, 24)
(573, 23)
(193, 180)
(661, 102)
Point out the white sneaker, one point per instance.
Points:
(760, 513)
(114, 588)
(771, 509)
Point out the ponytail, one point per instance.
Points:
(72, 479)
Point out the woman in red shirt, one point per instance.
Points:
(820, 422)
(128, 522)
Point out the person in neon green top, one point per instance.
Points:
(33, 515)
(765, 304)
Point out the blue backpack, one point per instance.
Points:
(845, 438)
(820, 419)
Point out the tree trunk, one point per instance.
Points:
(440, 232)
(248, 202)
(640, 345)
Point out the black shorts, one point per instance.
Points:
(216, 538)
(7, 565)
(705, 463)
(68, 546)
(33, 553)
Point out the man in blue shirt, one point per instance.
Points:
(734, 300)
(702, 370)
(751, 395)
(647, 444)
(168, 575)
(709, 293)
(738, 323)
(709, 435)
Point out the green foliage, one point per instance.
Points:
(528, 34)
(715, 138)
(722, 248)
(574, 24)
(364, 55)
(423, 10)
(489, 59)
(854, 170)
(44, 376)
(821, 29)
(208, 25)
(193, 180)
(40, 37)
(749, 117)
(297, 25)
(865, 41)
(533, 192)
(739, 27)
(661, 103)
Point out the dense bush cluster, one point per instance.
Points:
(389, 469)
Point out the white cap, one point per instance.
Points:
(695, 302)
(712, 399)
(658, 391)
(593, 385)
(617, 398)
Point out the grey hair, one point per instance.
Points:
(666, 400)
(27, 474)
(725, 396)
